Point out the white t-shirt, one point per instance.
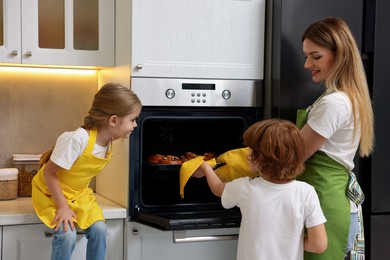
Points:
(332, 118)
(70, 146)
(273, 217)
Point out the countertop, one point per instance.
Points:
(20, 211)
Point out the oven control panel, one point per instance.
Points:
(198, 97)
(195, 92)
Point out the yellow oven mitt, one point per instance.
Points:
(188, 168)
(236, 166)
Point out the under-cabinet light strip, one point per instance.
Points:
(49, 70)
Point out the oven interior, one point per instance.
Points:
(154, 188)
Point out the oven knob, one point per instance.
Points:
(226, 94)
(170, 93)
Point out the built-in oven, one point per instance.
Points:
(181, 116)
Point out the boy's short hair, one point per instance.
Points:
(277, 148)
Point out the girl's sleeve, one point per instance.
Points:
(68, 149)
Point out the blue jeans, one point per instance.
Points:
(64, 242)
(353, 231)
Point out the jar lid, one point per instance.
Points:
(27, 157)
(8, 174)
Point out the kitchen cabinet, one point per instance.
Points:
(145, 243)
(220, 39)
(26, 242)
(58, 32)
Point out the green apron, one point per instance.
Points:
(330, 180)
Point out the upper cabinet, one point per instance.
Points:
(57, 32)
(221, 39)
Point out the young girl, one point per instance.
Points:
(61, 195)
(334, 127)
(275, 207)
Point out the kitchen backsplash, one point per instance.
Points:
(37, 105)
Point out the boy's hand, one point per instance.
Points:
(199, 173)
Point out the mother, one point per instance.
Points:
(334, 127)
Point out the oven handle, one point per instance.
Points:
(179, 236)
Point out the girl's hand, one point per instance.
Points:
(64, 216)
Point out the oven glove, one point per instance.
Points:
(236, 165)
(188, 168)
(230, 165)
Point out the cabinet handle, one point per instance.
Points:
(139, 66)
(179, 236)
(14, 53)
(78, 232)
(29, 54)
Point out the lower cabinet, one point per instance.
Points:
(26, 242)
(146, 243)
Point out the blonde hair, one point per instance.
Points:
(347, 74)
(111, 99)
(277, 148)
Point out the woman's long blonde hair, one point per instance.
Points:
(347, 74)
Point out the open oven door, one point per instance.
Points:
(191, 220)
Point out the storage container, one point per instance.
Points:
(27, 164)
(8, 183)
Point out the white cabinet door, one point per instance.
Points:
(27, 242)
(145, 243)
(115, 239)
(59, 32)
(36, 49)
(10, 44)
(198, 38)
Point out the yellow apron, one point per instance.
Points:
(75, 186)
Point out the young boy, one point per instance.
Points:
(275, 207)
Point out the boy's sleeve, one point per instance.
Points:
(314, 216)
(231, 194)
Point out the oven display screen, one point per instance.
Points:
(194, 86)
